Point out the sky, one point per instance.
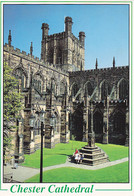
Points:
(106, 28)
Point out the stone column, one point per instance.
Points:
(106, 122)
(85, 124)
(65, 134)
(85, 119)
(91, 134)
(49, 133)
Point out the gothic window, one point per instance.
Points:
(74, 89)
(19, 74)
(53, 86)
(119, 123)
(123, 89)
(88, 89)
(50, 57)
(38, 83)
(105, 90)
(59, 56)
(63, 87)
(98, 122)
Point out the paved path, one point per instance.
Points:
(22, 173)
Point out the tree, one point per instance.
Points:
(12, 104)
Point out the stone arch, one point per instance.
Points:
(74, 89)
(20, 73)
(105, 89)
(38, 80)
(122, 89)
(39, 73)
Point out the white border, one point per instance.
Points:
(96, 185)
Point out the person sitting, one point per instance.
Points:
(74, 157)
(81, 157)
(76, 151)
(77, 158)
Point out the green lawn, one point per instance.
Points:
(115, 174)
(59, 154)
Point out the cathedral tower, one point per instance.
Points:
(63, 49)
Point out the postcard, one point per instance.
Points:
(66, 98)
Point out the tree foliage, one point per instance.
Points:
(12, 102)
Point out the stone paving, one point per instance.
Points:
(22, 173)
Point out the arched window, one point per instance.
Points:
(123, 89)
(88, 89)
(50, 56)
(38, 82)
(59, 56)
(98, 122)
(105, 89)
(20, 74)
(119, 122)
(74, 89)
(63, 87)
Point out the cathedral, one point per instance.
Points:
(72, 101)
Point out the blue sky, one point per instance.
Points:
(106, 28)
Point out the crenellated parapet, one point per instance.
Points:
(100, 83)
(99, 71)
(31, 58)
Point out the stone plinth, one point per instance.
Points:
(93, 156)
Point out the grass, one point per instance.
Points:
(114, 152)
(114, 174)
(59, 154)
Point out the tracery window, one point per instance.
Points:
(88, 89)
(74, 89)
(19, 74)
(38, 84)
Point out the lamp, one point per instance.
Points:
(52, 120)
(41, 116)
(31, 120)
